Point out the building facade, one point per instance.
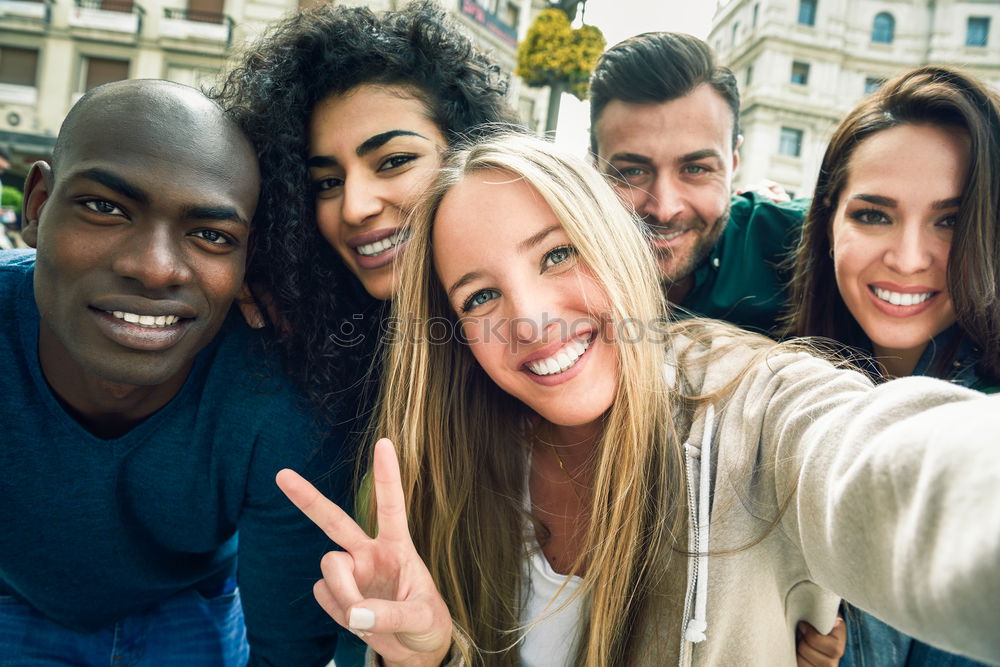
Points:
(803, 64)
(52, 51)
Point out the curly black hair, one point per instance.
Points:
(327, 325)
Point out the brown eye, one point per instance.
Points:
(103, 207)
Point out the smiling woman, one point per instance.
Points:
(912, 229)
(900, 257)
(579, 482)
(349, 111)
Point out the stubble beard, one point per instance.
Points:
(699, 253)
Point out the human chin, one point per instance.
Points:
(889, 326)
(104, 357)
(577, 396)
(680, 261)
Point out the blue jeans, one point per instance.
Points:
(872, 643)
(190, 629)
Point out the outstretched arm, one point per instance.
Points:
(894, 502)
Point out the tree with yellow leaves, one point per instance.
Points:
(554, 54)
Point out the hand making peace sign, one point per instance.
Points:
(379, 588)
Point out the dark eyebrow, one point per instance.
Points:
(878, 200)
(115, 182)
(954, 202)
(367, 146)
(321, 161)
(216, 213)
(535, 239)
(889, 202)
(630, 157)
(701, 155)
(379, 140)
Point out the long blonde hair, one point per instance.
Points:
(464, 447)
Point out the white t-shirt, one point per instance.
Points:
(553, 640)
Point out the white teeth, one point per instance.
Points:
(900, 299)
(378, 247)
(669, 236)
(561, 361)
(146, 320)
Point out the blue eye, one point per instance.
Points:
(479, 298)
(558, 256)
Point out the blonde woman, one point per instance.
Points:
(579, 482)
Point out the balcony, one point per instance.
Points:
(34, 15)
(184, 25)
(114, 20)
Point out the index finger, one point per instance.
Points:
(335, 522)
(389, 500)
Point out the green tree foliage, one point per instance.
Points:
(11, 198)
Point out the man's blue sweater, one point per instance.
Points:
(94, 530)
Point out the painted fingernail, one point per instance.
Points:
(361, 619)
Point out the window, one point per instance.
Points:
(807, 12)
(511, 14)
(800, 73)
(736, 29)
(114, 5)
(756, 11)
(872, 84)
(98, 71)
(978, 31)
(791, 142)
(18, 67)
(749, 76)
(883, 28)
(207, 11)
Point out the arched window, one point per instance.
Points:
(883, 28)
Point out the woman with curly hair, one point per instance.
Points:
(349, 111)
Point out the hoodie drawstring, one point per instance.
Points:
(698, 625)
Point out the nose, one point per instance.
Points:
(910, 251)
(531, 318)
(663, 202)
(361, 200)
(154, 257)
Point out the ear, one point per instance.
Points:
(736, 152)
(37, 187)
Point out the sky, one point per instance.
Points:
(619, 19)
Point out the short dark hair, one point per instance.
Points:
(657, 67)
(272, 91)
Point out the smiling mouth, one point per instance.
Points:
(562, 360)
(146, 321)
(378, 247)
(900, 299)
(668, 235)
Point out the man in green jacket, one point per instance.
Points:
(665, 129)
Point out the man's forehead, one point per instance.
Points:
(697, 121)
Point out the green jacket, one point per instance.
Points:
(742, 280)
